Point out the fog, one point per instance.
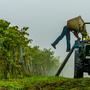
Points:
(45, 19)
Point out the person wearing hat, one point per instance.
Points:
(75, 26)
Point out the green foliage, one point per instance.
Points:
(12, 40)
(43, 61)
(18, 58)
(46, 83)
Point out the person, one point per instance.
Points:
(66, 32)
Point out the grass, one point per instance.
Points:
(45, 83)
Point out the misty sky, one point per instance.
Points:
(45, 18)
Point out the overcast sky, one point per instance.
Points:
(45, 18)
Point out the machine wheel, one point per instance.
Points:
(78, 66)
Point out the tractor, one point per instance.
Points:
(81, 55)
(82, 58)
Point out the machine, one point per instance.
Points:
(81, 55)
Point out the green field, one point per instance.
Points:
(45, 83)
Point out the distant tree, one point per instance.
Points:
(18, 58)
(44, 62)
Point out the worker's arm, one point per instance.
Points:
(76, 34)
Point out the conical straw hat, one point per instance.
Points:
(75, 23)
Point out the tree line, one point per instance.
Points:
(17, 56)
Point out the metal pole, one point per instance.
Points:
(64, 62)
(87, 23)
